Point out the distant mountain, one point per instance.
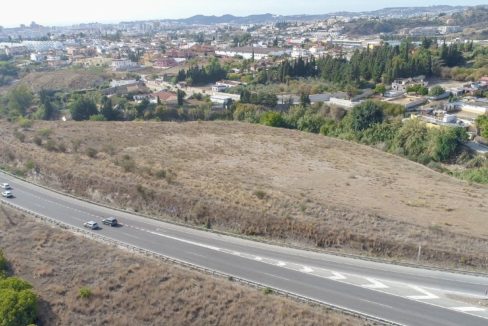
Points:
(269, 18)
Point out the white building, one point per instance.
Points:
(249, 52)
(124, 65)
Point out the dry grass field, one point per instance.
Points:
(64, 79)
(134, 290)
(283, 184)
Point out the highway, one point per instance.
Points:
(394, 293)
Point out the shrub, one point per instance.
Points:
(38, 141)
(365, 115)
(51, 145)
(3, 263)
(328, 128)
(260, 194)
(474, 175)
(45, 132)
(25, 123)
(161, 174)
(17, 307)
(30, 165)
(91, 152)
(444, 142)
(19, 135)
(267, 291)
(127, 163)
(272, 119)
(97, 117)
(85, 293)
(76, 143)
(412, 139)
(62, 147)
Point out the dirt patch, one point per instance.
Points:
(133, 290)
(291, 186)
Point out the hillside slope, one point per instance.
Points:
(284, 184)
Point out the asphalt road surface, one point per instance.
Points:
(399, 294)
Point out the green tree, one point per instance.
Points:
(380, 89)
(365, 115)
(82, 108)
(444, 142)
(181, 97)
(17, 307)
(305, 99)
(482, 123)
(19, 100)
(48, 110)
(436, 91)
(412, 140)
(107, 110)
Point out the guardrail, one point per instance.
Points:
(150, 253)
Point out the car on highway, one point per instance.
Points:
(5, 186)
(112, 221)
(7, 194)
(92, 225)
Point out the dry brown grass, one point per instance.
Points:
(284, 184)
(133, 290)
(63, 79)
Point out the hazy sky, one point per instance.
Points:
(56, 12)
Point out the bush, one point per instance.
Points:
(127, 163)
(19, 135)
(45, 132)
(267, 291)
(18, 304)
(17, 307)
(328, 128)
(62, 148)
(444, 142)
(3, 263)
(30, 165)
(272, 119)
(260, 194)
(91, 152)
(38, 141)
(436, 91)
(412, 140)
(474, 175)
(161, 174)
(25, 123)
(98, 117)
(365, 115)
(76, 143)
(85, 293)
(51, 145)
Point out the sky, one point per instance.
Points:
(63, 12)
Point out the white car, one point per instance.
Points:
(7, 194)
(5, 186)
(91, 225)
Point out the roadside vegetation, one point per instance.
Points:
(18, 302)
(271, 183)
(114, 287)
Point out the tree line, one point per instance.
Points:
(199, 75)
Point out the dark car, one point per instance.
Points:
(112, 221)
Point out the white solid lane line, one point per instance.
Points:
(468, 309)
